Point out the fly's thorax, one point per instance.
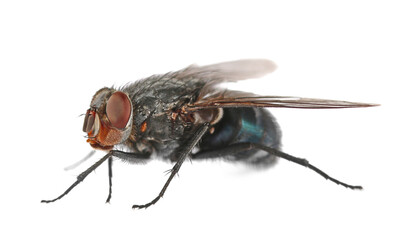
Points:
(108, 121)
(190, 120)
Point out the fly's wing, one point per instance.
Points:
(232, 71)
(228, 98)
(211, 97)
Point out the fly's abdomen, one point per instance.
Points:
(239, 125)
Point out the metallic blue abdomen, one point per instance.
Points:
(238, 125)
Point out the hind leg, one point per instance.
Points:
(242, 147)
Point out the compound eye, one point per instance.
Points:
(118, 109)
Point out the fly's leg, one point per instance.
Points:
(135, 157)
(80, 178)
(110, 162)
(241, 147)
(131, 157)
(180, 159)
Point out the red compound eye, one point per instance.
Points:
(118, 109)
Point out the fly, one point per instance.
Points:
(185, 114)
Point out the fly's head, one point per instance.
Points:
(108, 121)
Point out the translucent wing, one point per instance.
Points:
(211, 97)
(231, 71)
(228, 98)
(226, 72)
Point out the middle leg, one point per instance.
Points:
(180, 159)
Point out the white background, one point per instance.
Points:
(55, 54)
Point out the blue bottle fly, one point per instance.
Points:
(185, 114)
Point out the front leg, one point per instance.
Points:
(135, 157)
(180, 159)
(125, 156)
(110, 163)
